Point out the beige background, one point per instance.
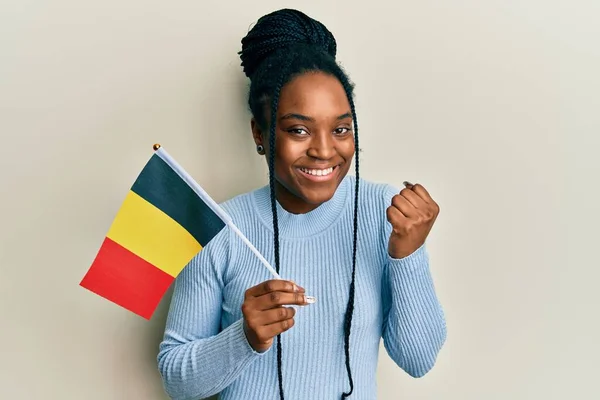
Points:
(493, 105)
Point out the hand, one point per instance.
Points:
(412, 215)
(264, 314)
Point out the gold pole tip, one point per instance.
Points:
(156, 146)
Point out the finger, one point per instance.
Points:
(274, 315)
(394, 216)
(276, 299)
(273, 285)
(413, 198)
(404, 206)
(422, 192)
(272, 330)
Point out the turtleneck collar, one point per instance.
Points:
(307, 224)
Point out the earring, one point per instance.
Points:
(260, 149)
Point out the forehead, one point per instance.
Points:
(314, 94)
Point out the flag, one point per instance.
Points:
(164, 221)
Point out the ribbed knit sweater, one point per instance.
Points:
(205, 350)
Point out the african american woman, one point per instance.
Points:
(358, 247)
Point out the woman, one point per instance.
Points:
(358, 247)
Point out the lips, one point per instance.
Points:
(319, 174)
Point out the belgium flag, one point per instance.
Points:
(164, 221)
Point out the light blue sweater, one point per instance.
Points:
(205, 350)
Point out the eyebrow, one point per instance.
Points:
(306, 118)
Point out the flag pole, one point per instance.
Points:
(212, 204)
(218, 210)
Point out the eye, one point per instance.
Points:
(298, 131)
(341, 131)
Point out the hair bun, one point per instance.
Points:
(279, 30)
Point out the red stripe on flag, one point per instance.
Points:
(125, 279)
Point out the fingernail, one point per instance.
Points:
(310, 299)
(407, 183)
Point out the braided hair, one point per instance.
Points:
(282, 45)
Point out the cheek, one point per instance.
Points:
(346, 149)
(287, 153)
(283, 161)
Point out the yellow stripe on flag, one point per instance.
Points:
(152, 235)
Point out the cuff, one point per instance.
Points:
(416, 261)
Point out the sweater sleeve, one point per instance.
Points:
(197, 358)
(414, 327)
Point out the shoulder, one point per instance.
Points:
(242, 206)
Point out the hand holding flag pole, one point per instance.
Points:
(165, 220)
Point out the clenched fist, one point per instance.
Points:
(412, 215)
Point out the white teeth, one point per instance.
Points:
(317, 172)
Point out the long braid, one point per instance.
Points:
(272, 134)
(276, 241)
(350, 307)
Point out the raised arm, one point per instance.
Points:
(414, 327)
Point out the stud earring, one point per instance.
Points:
(260, 149)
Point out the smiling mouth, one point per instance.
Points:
(319, 175)
(318, 172)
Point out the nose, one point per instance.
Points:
(322, 146)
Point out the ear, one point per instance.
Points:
(256, 132)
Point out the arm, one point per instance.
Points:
(414, 327)
(196, 359)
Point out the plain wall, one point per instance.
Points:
(492, 105)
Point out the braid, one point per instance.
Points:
(281, 29)
(267, 53)
(350, 306)
(272, 134)
(275, 232)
